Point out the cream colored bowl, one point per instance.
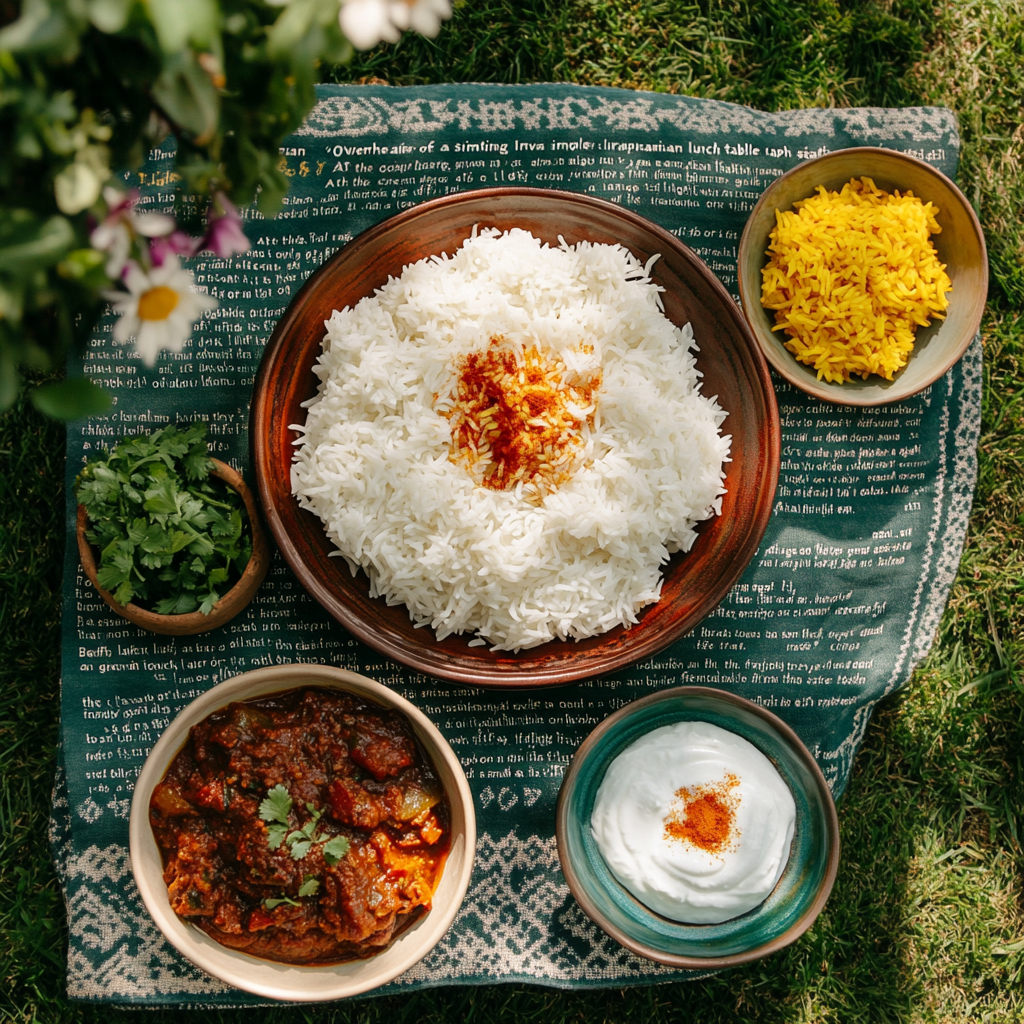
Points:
(287, 981)
(960, 245)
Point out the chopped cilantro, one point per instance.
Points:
(309, 886)
(169, 536)
(277, 805)
(275, 835)
(270, 904)
(335, 849)
(275, 809)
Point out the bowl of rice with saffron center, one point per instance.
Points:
(516, 445)
(863, 274)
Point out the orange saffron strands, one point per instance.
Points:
(517, 414)
(705, 816)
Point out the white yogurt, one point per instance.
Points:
(684, 879)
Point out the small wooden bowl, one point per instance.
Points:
(960, 245)
(227, 607)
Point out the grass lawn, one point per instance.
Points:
(926, 921)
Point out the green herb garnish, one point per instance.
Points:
(276, 808)
(309, 886)
(335, 849)
(270, 904)
(169, 536)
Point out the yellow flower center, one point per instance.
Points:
(158, 303)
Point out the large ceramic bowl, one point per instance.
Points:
(729, 359)
(960, 245)
(286, 981)
(798, 896)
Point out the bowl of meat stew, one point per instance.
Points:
(302, 833)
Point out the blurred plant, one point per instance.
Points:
(90, 85)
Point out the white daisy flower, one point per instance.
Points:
(425, 16)
(368, 22)
(159, 309)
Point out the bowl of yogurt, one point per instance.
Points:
(697, 830)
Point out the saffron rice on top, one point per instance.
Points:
(511, 440)
(852, 275)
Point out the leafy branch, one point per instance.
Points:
(87, 86)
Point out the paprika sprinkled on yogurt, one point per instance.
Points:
(706, 815)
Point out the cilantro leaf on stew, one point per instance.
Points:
(299, 848)
(309, 886)
(276, 806)
(275, 835)
(335, 849)
(270, 904)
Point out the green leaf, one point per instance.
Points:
(10, 380)
(163, 497)
(152, 536)
(197, 464)
(187, 96)
(177, 22)
(300, 849)
(110, 16)
(26, 243)
(71, 399)
(277, 805)
(181, 604)
(335, 849)
(86, 266)
(270, 904)
(179, 540)
(275, 835)
(116, 565)
(12, 301)
(44, 28)
(273, 189)
(292, 24)
(309, 886)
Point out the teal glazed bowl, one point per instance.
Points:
(793, 904)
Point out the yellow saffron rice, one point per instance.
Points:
(852, 276)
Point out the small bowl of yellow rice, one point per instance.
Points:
(863, 274)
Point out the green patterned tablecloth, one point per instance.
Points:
(842, 599)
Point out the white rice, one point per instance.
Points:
(373, 460)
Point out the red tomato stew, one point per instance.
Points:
(307, 827)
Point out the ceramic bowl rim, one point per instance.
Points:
(216, 959)
(750, 293)
(792, 740)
